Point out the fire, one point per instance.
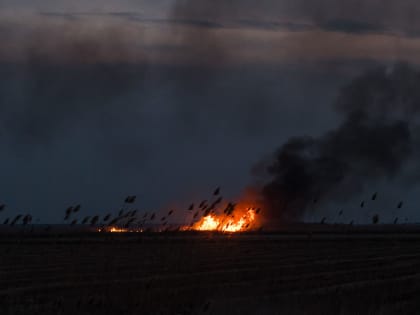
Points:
(214, 214)
(114, 229)
(117, 230)
(229, 217)
(208, 223)
(239, 221)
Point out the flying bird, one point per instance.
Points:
(27, 219)
(230, 208)
(130, 199)
(94, 220)
(375, 195)
(85, 220)
(400, 205)
(202, 204)
(68, 213)
(217, 191)
(16, 219)
(362, 204)
(69, 210)
(114, 221)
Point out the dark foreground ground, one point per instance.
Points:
(210, 274)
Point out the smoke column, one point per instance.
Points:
(376, 139)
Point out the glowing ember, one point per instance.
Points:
(114, 229)
(117, 230)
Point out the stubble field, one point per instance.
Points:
(209, 274)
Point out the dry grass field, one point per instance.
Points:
(209, 274)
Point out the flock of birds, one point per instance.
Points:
(23, 219)
(375, 217)
(126, 218)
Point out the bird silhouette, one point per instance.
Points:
(202, 204)
(217, 191)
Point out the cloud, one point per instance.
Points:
(352, 26)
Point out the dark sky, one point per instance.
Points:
(169, 99)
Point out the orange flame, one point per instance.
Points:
(229, 218)
(242, 219)
(226, 224)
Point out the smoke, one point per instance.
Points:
(376, 140)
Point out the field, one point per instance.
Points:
(210, 274)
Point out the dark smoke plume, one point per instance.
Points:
(375, 140)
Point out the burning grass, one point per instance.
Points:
(212, 214)
(238, 221)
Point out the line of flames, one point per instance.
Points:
(241, 220)
(224, 223)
